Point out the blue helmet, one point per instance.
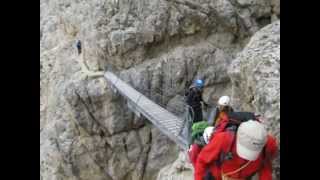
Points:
(199, 83)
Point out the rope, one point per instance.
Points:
(181, 133)
(225, 176)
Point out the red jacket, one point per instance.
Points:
(221, 143)
(220, 127)
(193, 153)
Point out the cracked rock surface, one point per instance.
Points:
(159, 47)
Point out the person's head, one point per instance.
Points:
(199, 83)
(251, 138)
(223, 102)
(207, 133)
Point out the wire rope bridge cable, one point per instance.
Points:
(178, 129)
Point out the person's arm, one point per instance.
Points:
(201, 99)
(193, 153)
(187, 93)
(207, 155)
(271, 147)
(266, 172)
(271, 150)
(205, 104)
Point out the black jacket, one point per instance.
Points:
(194, 97)
(79, 44)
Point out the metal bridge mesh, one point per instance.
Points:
(176, 125)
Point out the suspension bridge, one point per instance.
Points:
(176, 128)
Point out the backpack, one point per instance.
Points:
(236, 118)
(198, 129)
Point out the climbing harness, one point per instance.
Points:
(226, 176)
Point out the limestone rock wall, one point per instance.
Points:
(159, 47)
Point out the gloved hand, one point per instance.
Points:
(190, 148)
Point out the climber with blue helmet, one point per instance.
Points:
(199, 83)
(194, 99)
(79, 46)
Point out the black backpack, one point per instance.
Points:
(239, 117)
(236, 118)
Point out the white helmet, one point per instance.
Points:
(224, 101)
(207, 133)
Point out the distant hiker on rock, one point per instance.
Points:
(79, 47)
(194, 99)
(238, 154)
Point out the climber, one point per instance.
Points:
(219, 115)
(197, 140)
(199, 143)
(221, 111)
(79, 47)
(201, 137)
(194, 99)
(238, 155)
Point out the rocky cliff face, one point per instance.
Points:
(255, 84)
(255, 76)
(159, 47)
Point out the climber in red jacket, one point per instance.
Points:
(195, 148)
(238, 156)
(219, 116)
